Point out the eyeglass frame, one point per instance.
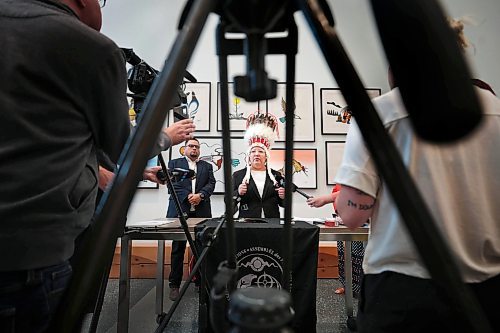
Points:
(102, 3)
(193, 146)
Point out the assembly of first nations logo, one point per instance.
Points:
(259, 267)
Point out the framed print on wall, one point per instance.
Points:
(239, 110)
(304, 167)
(334, 154)
(303, 115)
(211, 152)
(146, 183)
(198, 104)
(335, 113)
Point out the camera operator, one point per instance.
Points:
(63, 97)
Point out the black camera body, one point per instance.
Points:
(140, 78)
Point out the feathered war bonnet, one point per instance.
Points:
(261, 128)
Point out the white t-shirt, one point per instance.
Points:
(459, 182)
(259, 178)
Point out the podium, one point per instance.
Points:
(259, 255)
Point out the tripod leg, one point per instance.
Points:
(160, 283)
(226, 146)
(124, 286)
(100, 300)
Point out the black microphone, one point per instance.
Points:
(428, 67)
(190, 77)
(177, 174)
(131, 57)
(294, 189)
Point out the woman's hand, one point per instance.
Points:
(242, 189)
(281, 192)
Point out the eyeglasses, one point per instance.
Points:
(194, 146)
(102, 3)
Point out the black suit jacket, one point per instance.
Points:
(251, 204)
(205, 183)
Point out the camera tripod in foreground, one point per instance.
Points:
(411, 63)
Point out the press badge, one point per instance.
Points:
(244, 207)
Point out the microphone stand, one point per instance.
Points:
(180, 214)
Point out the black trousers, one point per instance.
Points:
(393, 302)
(177, 262)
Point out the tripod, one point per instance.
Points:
(275, 16)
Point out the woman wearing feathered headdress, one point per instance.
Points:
(257, 189)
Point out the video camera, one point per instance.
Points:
(140, 79)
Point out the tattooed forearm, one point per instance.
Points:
(360, 206)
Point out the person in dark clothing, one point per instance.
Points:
(63, 97)
(194, 196)
(257, 189)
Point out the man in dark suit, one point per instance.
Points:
(194, 196)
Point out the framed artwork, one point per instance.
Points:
(334, 154)
(211, 152)
(239, 110)
(198, 104)
(335, 113)
(147, 183)
(304, 166)
(304, 111)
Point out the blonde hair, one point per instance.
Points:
(457, 25)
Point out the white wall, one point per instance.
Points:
(149, 26)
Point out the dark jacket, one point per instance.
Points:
(63, 95)
(251, 204)
(205, 183)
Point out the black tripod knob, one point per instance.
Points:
(260, 309)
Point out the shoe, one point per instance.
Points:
(174, 294)
(340, 291)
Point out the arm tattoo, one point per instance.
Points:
(351, 203)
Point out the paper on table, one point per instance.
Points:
(310, 220)
(151, 223)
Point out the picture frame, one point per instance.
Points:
(239, 110)
(334, 153)
(335, 113)
(304, 130)
(199, 107)
(305, 166)
(211, 152)
(146, 184)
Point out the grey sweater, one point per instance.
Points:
(62, 97)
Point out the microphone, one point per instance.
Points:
(190, 77)
(177, 174)
(294, 189)
(131, 57)
(428, 67)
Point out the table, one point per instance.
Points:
(175, 232)
(172, 231)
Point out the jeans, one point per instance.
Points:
(28, 299)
